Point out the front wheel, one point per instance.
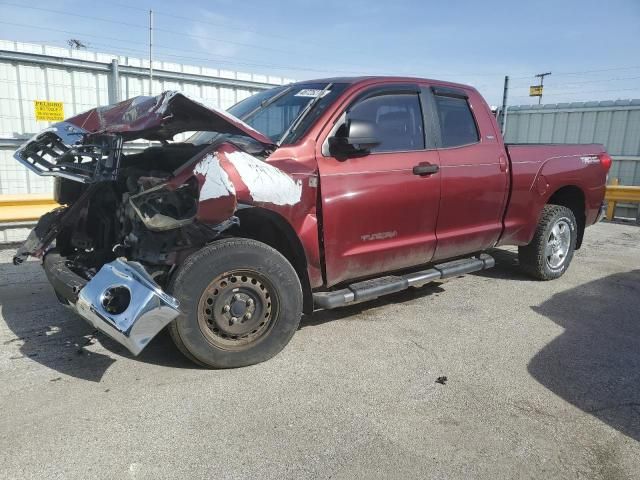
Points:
(241, 302)
(549, 253)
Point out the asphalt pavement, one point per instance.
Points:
(542, 381)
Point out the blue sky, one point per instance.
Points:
(592, 47)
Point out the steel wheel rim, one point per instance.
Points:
(237, 309)
(558, 243)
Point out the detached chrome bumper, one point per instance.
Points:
(121, 300)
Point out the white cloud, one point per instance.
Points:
(223, 37)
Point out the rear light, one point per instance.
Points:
(605, 161)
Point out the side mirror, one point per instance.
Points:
(359, 140)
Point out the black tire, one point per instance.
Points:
(228, 273)
(534, 258)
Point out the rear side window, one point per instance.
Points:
(397, 119)
(457, 125)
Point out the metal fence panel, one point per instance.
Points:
(83, 80)
(615, 124)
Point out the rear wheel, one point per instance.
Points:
(551, 250)
(241, 302)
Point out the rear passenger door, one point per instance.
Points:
(378, 210)
(474, 173)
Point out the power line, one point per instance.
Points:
(184, 34)
(215, 24)
(209, 58)
(599, 70)
(556, 94)
(598, 80)
(145, 27)
(290, 67)
(250, 45)
(557, 74)
(159, 47)
(616, 79)
(134, 25)
(71, 14)
(22, 25)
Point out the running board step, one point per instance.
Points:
(376, 287)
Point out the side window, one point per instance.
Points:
(457, 125)
(397, 119)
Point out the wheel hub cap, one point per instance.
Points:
(558, 244)
(236, 309)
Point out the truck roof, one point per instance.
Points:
(366, 79)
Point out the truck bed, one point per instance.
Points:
(540, 170)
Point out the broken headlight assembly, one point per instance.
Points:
(165, 207)
(61, 151)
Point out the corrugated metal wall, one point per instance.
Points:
(615, 124)
(83, 80)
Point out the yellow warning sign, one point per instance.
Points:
(48, 111)
(535, 91)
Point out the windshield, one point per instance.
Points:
(273, 111)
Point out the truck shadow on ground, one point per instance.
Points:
(595, 363)
(507, 266)
(50, 334)
(53, 336)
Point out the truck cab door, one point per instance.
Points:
(379, 209)
(474, 173)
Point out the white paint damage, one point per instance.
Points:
(216, 181)
(265, 182)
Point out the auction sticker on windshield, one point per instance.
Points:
(311, 92)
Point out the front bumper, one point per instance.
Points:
(121, 300)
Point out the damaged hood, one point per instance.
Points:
(86, 148)
(160, 118)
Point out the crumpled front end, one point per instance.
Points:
(132, 216)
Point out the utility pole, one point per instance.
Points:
(503, 112)
(541, 77)
(150, 52)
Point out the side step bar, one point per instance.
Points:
(376, 287)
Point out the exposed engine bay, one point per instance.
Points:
(135, 215)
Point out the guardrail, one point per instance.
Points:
(620, 193)
(27, 208)
(24, 208)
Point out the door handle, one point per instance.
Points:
(504, 166)
(424, 169)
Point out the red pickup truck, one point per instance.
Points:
(312, 195)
